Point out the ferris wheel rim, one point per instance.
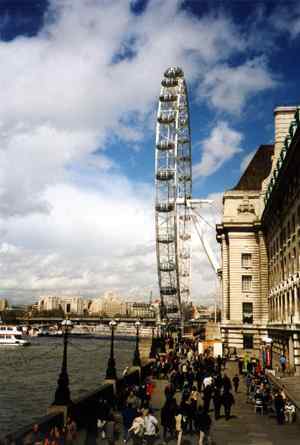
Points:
(172, 227)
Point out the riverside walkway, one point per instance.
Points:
(244, 428)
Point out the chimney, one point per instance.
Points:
(282, 117)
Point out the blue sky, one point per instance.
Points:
(80, 82)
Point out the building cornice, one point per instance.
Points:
(277, 185)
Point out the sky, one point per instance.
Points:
(80, 81)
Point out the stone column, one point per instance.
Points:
(225, 279)
(287, 306)
(285, 315)
(272, 307)
(296, 317)
(279, 307)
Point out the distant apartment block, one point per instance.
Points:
(69, 304)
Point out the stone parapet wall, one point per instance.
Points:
(84, 409)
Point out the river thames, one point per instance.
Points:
(28, 375)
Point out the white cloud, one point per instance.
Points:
(73, 221)
(90, 242)
(287, 19)
(246, 160)
(228, 88)
(221, 145)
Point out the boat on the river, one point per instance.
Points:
(11, 336)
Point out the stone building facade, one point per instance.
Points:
(281, 225)
(260, 243)
(244, 259)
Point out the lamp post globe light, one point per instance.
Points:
(111, 373)
(136, 358)
(62, 393)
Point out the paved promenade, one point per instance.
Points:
(244, 428)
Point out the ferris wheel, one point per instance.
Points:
(173, 180)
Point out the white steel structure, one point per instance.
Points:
(173, 178)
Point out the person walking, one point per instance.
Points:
(207, 394)
(137, 429)
(228, 401)
(34, 437)
(151, 427)
(217, 401)
(128, 415)
(279, 408)
(203, 423)
(179, 425)
(236, 382)
(167, 419)
(227, 386)
(71, 431)
(282, 361)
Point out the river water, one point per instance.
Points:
(28, 375)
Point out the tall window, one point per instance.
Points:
(246, 259)
(246, 283)
(248, 341)
(248, 313)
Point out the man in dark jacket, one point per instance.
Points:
(236, 382)
(128, 413)
(226, 383)
(228, 401)
(217, 400)
(167, 418)
(279, 408)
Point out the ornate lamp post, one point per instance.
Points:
(162, 325)
(62, 393)
(111, 372)
(136, 357)
(153, 345)
(163, 336)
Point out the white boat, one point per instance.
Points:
(11, 336)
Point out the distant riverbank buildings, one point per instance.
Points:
(260, 244)
(109, 305)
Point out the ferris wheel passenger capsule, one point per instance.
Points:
(169, 83)
(165, 145)
(173, 72)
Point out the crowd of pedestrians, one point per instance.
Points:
(268, 399)
(197, 387)
(195, 384)
(55, 436)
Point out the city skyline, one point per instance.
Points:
(77, 127)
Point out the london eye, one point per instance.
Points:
(173, 181)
